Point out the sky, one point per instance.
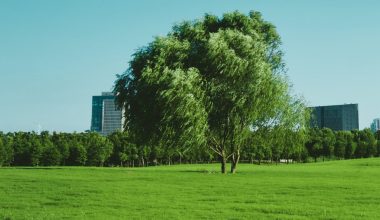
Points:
(55, 55)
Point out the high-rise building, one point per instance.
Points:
(336, 117)
(106, 118)
(375, 125)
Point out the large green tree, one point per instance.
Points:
(207, 83)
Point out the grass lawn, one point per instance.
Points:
(330, 190)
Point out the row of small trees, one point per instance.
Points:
(118, 149)
(32, 149)
(83, 149)
(324, 143)
(90, 149)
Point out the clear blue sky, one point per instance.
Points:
(55, 55)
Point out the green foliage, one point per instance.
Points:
(6, 149)
(268, 144)
(2, 150)
(209, 82)
(366, 143)
(328, 142)
(50, 156)
(121, 148)
(377, 135)
(351, 146)
(341, 143)
(61, 141)
(371, 143)
(98, 149)
(27, 149)
(35, 151)
(77, 155)
(314, 144)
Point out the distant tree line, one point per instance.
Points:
(89, 149)
(118, 149)
(325, 143)
(32, 149)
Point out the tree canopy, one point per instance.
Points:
(209, 82)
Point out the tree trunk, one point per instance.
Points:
(233, 167)
(142, 162)
(235, 161)
(223, 161)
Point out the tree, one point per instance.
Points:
(351, 145)
(61, 142)
(328, 142)
(123, 157)
(371, 143)
(2, 151)
(35, 150)
(377, 136)
(20, 149)
(77, 154)
(314, 143)
(121, 142)
(99, 149)
(27, 149)
(340, 144)
(143, 152)
(291, 125)
(51, 156)
(277, 143)
(366, 144)
(207, 82)
(295, 145)
(6, 149)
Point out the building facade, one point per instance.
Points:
(336, 117)
(106, 118)
(375, 125)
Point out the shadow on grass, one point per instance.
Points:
(199, 171)
(34, 168)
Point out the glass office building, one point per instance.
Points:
(336, 117)
(375, 125)
(106, 118)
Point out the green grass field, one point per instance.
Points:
(330, 190)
